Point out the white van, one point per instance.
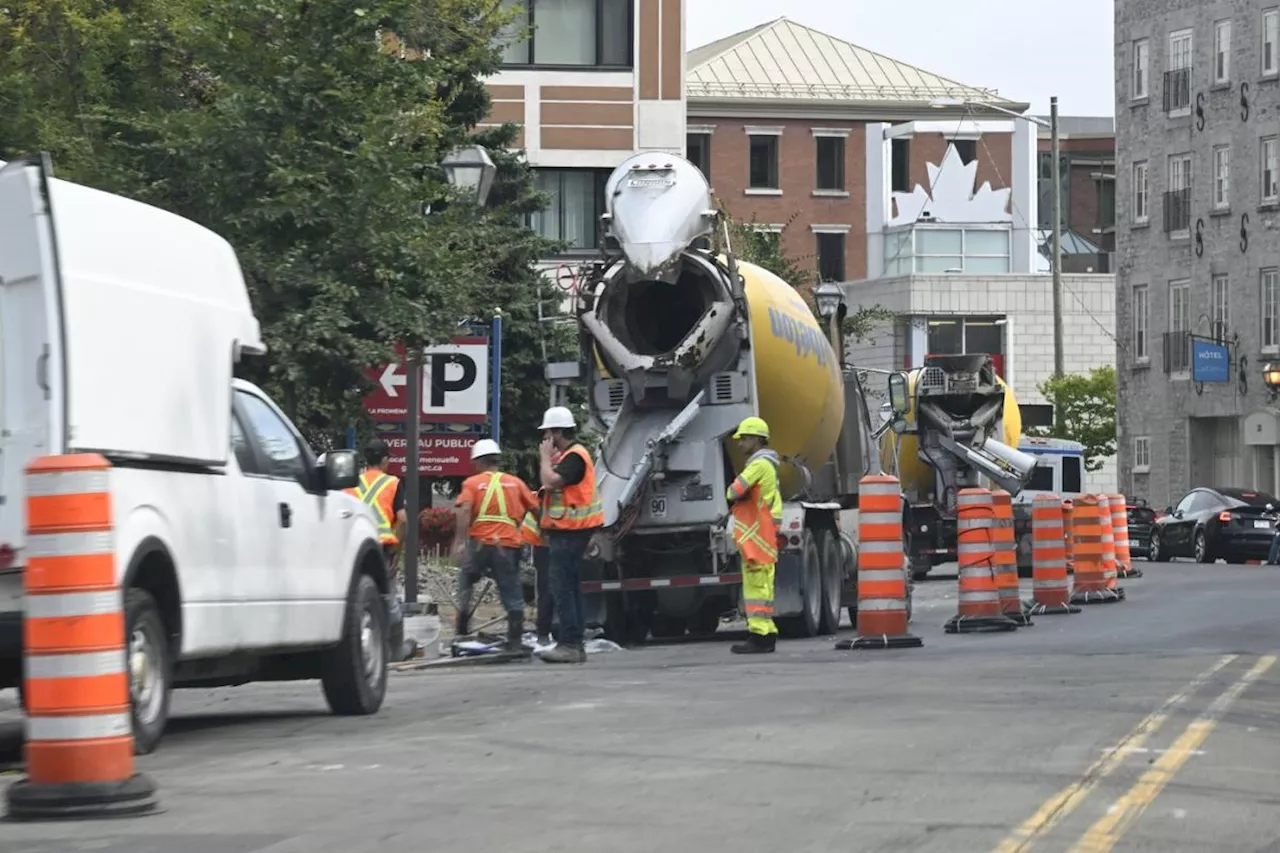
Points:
(241, 558)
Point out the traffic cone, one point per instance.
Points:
(882, 572)
(1050, 586)
(978, 609)
(1087, 534)
(1005, 545)
(1120, 531)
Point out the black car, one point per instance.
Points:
(1208, 524)
(1142, 520)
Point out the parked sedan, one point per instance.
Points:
(1142, 519)
(1208, 524)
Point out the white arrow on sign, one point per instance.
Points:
(390, 379)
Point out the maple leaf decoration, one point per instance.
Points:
(951, 196)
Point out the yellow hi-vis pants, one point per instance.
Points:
(757, 597)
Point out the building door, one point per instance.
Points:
(1227, 464)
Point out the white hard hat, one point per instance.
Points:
(485, 447)
(558, 417)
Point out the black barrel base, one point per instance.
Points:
(979, 624)
(135, 796)
(898, 641)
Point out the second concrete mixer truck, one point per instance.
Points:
(679, 344)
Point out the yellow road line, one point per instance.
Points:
(1111, 827)
(1069, 798)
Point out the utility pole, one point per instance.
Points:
(412, 500)
(1058, 367)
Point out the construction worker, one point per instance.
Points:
(571, 512)
(756, 506)
(490, 508)
(382, 492)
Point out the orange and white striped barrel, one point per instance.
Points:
(1108, 541)
(1068, 521)
(1120, 532)
(1050, 586)
(882, 575)
(979, 596)
(1088, 534)
(79, 730)
(1005, 545)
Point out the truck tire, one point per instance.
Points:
(832, 582)
(805, 625)
(355, 671)
(150, 662)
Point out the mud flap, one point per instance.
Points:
(787, 597)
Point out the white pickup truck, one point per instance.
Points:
(241, 558)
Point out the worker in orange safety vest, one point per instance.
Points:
(756, 506)
(382, 493)
(571, 513)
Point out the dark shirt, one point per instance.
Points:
(397, 502)
(571, 469)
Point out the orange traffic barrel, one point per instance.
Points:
(1087, 534)
(1005, 545)
(882, 574)
(978, 609)
(1120, 532)
(79, 725)
(1050, 586)
(1108, 545)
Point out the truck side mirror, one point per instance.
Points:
(899, 398)
(340, 470)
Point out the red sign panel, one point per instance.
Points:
(455, 385)
(438, 455)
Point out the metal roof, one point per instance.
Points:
(1081, 125)
(786, 60)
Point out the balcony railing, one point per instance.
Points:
(1177, 352)
(1177, 90)
(1177, 210)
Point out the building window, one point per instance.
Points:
(1270, 162)
(1141, 348)
(698, 148)
(1221, 177)
(1219, 305)
(1140, 212)
(830, 158)
(1222, 51)
(967, 149)
(1141, 454)
(1177, 344)
(940, 250)
(574, 33)
(577, 202)
(1177, 76)
(1177, 201)
(1141, 50)
(1270, 293)
(900, 165)
(1270, 37)
(967, 336)
(830, 256)
(763, 164)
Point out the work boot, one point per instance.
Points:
(461, 624)
(515, 633)
(756, 644)
(565, 653)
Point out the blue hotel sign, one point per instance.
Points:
(1210, 361)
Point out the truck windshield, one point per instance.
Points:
(1042, 479)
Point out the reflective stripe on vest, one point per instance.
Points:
(529, 530)
(755, 530)
(583, 509)
(494, 489)
(369, 495)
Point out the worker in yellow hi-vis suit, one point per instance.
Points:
(757, 511)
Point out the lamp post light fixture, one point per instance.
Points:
(1271, 378)
(831, 307)
(470, 171)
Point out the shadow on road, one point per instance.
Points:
(194, 724)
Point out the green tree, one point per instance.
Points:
(1084, 411)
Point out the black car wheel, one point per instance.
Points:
(1153, 548)
(1202, 548)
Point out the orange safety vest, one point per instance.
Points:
(575, 507)
(529, 531)
(755, 530)
(377, 489)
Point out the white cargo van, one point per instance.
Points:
(241, 558)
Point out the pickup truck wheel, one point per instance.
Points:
(150, 663)
(355, 671)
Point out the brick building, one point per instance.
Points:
(1087, 147)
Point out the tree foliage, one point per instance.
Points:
(1084, 411)
(307, 134)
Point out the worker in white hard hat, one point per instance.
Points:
(571, 512)
(489, 511)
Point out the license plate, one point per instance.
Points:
(1262, 525)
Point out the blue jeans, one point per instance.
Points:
(567, 550)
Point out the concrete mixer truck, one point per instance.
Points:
(954, 424)
(679, 343)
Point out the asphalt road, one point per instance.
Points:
(1148, 725)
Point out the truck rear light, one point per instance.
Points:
(6, 556)
(782, 541)
(1224, 516)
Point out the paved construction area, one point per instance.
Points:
(1149, 725)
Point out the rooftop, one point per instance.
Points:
(783, 60)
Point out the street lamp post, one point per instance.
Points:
(830, 299)
(1059, 368)
(470, 172)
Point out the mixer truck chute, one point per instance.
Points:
(954, 424)
(679, 344)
